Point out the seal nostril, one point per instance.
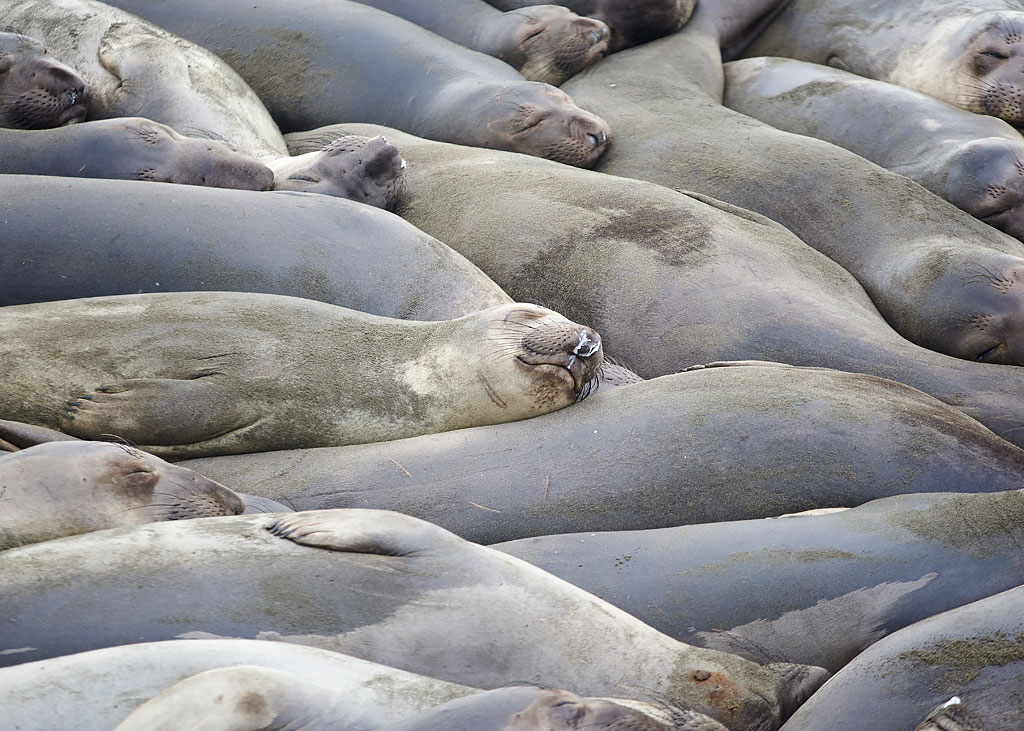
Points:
(593, 139)
(595, 35)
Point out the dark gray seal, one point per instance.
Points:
(381, 586)
(723, 443)
(810, 589)
(976, 162)
(130, 148)
(969, 53)
(970, 658)
(317, 62)
(292, 244)
(189, 374)
(36, 90)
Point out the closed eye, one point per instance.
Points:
(991, 352)
(304, 178)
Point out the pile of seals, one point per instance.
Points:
(321, 432)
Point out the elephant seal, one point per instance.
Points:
(192, 374)
(96, 690)
(970, 658)
(631, 22)
(379, 585)
(817, 591)
(636, 260)
(548, 43)
(293, 244)
(723, 443)
(935, 273)
(968, 53)
(66, 488)
(971, 160)
(37, 91)
(253, 698)
(318, 62)
(130, 148)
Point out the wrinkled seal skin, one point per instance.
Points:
(723, 443)
(130, 148)
(201, 373)
(976, 162)
(318, 62)
(922, 260)
(632, 22)
(428, 602)
(37, 91)
(66, 488)
(96, 690)
(973, 654)
(811, 589)
(602, 248)
(548, 43)
(300, 245)
(969, 53)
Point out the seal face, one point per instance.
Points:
(364, 169)
(555, 43)
(37, 92)
(986, 179)
(994, 60)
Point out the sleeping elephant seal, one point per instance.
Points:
(810, 589)
(130, 148)
(381, 586)
(250, 698)
(968, 53)
(546, 43)
(192, 374)
(968, 659)
(937, 275)
(69, 487)
(294, 244)
(976, 162)
(96, 690)
(723, 443)
(37, 91)
(318, 62)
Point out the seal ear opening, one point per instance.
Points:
(355, 530)
(15, 436)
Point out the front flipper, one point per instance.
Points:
(355, 530)
(160, 411)
(147, 65)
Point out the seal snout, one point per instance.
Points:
(567, 345)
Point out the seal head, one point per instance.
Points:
(994, 67)
(37, 92)
(986, 179)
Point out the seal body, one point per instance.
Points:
(969, 53)
(936, 274)
(812, 589)
(301, 245)
(36, 90)
(187, 374)
(965, 664)
(714, 444)
(971, 160)
(381, 586)
(130, 148)
(636, 261)
(65, 488)
(318, 62)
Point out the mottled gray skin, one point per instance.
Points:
(381, 586)
(670, 280)
(974, 161)
(292, 244)
(548, 43)
(969, 53)
(809, 589)
(724, 443)
(66, 488)
(192, 374)
(96, 690)
(632, 22)
(975, 653)
(317, 62)
(935, 273)
(129, 148)
(36, 90)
